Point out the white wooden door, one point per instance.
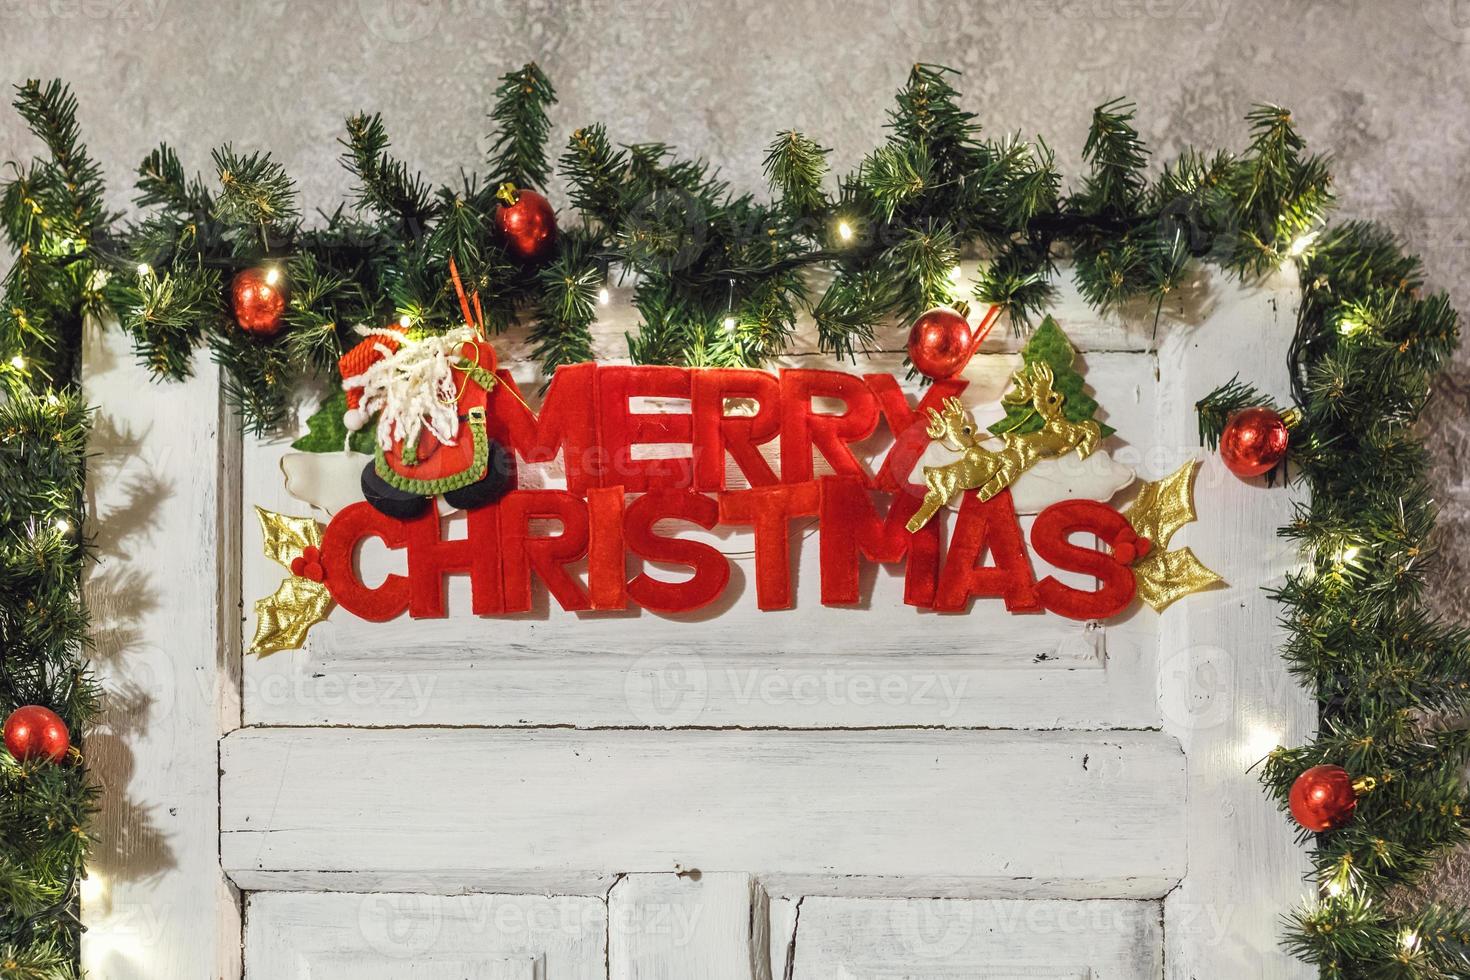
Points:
(866, 793)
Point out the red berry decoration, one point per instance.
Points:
(259, 298)
(1254, 441)
(34, 732)
(1323, 798)
(526, 222)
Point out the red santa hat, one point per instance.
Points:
(352, 365)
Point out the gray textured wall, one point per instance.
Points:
(1379, 85)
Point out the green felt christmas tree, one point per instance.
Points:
(327, 433)
(1050, 346)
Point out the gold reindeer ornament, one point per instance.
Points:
(991, 471)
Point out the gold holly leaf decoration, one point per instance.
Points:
(287, 537)
(283, 618)
(1161, 508)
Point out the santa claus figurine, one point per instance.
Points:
(428, 393)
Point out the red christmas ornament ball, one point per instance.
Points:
(527, 224)
(940, 343)
(259, 299)
(34, 732)
(1254, 441)
(1323, 798)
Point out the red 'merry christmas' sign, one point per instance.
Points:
(450, 425)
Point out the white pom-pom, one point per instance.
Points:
(354, 419)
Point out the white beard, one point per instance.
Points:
(413, 387)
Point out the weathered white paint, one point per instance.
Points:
(424, 937)
(781, 922)
(862, 939)
(681, 927)
(1224, 689)
(1065, 813)
(161, 484)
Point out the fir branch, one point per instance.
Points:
(384, 185)
(854, 302)
(1115, 186)
(567, 305)
(596, 173)
(897, 175)
(44, 807)
(928, 115)
(795, 167)
(163, 183)
(258, 377)
(165, 316)
(922, 266)
(74, 182)
(1277, 193)
(257, 195)
(667, 322)
(1019, 279)
(518, 155)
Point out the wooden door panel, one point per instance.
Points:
(865, 939)
(1080, 814)
(308, 936)
(681, 927)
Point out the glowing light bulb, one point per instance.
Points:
(1332, 888)
(1302, 243)
(92, 888)
(51, 398)
(1348, 554)
(1259, 742)
(844, 231)
(405, 321)
(18, 362)
(272, 276)
(603, 296)
(62, 525)
(1347, 327)
(1408, 940)
(730, 323)
(145, 270)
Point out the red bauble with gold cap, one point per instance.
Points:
(258, 296)
(34, 732)
(1323, 798)
(1255, 440)
(526, 222)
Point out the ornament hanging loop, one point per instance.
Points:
(983, 328)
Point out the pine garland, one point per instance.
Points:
(1387, 673)
(55, 224)
(721, 279)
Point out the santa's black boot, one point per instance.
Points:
(496, 482)
(388, 499)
